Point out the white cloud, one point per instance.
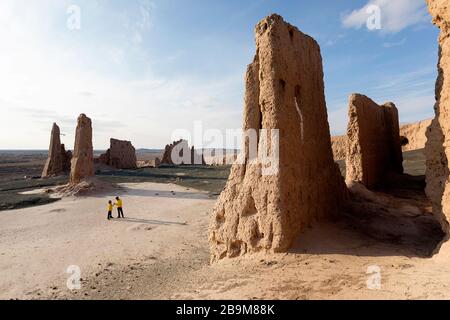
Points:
(412, 92)
(396, 15)
(146, 8)
(420, 81)
(411, 108)
(334, 40)
(394, 44)
(338, 119)
(144, 22)
(52, 74)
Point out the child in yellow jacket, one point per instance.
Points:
(110, 208)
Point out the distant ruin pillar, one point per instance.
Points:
(179, 153)
(54, 164)
(120, 155)
(284, 92)
(373, 142)
(83, 153)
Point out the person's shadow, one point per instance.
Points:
(145, 221)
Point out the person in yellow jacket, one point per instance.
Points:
(119, 206)
(110, 208)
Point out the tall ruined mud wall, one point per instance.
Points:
(178, 148)
(285, 91)
(58, 160)
(83, 154)
(339, 146)
(413, 136)
(438, 145)
(54, 164)
(373, 142)
(120, 155)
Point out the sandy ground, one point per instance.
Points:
(38, 244)
(161, 252)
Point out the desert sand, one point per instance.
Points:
(38, 244)
(161, 251)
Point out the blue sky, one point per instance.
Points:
(142, 69)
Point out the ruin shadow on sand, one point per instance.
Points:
(146, 221)
(394, 221)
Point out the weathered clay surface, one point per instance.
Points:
(53, 165)
(167, 156)
(83, 153)
(373, 142)
(438, 145)
(58, 160)
(339, 146)
(414, 135)
(177, 150)
(66, 158)
(120, 155)
(285, 91)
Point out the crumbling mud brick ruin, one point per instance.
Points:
(285, 91)
(412, 137)
(83, 154)
(373, 142)
(58, 160)
(179, 147)
(438, 145)
(120, 155)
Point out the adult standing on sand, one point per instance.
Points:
(119, 206)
